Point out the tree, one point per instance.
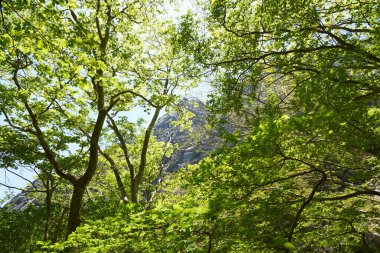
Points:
(69, 64)
(297, 81)
(163, 68)
(14, 158)
(304, 76)
(172, 224)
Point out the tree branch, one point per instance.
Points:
(267, 54)
(119, 182)
(305, 203)
(123, 145)
(351, 195)
(48, 152)
(115, 98)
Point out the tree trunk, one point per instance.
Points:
(57, 235)
(75, 206)
(120, 185)
(134, 190)
(49, 194)
(136, 181)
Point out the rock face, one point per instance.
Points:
(190, 145)
(22, 200)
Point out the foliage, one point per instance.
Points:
(303, 75)
(19, 231)
(296, 98)
(176, 223)
(69, 65)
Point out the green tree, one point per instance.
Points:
(164, 68)
(174, 222)
(304, 76)
(20, 231)
(69, 64)
(13, 158)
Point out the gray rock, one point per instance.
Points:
(191, 146)
(22, 200)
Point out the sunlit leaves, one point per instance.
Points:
(302, 74)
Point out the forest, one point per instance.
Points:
(190, 126)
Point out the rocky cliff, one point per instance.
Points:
(22, 200)
(190, 145)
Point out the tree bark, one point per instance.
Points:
(134, 190)
(119, 181)
(59, 225)
(75, 206)
(49, 194)
(135, 182)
